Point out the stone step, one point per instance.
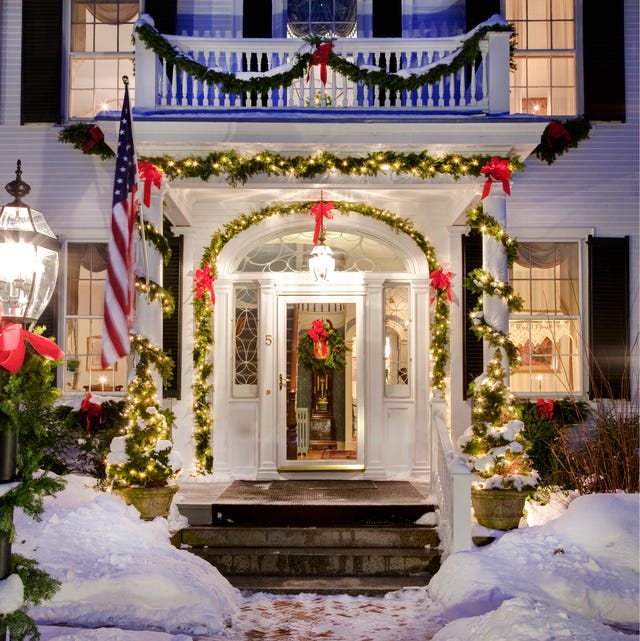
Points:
(355, 561)
(353, 586)
(303, 537)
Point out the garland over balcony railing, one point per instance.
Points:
(467, 73)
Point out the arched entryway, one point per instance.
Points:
(373, 422)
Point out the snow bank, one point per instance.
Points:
(117, 570)
(586, 562)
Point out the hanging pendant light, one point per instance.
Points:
(322, 263)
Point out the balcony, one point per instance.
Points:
(465, 75)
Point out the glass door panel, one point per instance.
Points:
(321, 387)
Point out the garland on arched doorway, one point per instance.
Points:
(203, 308)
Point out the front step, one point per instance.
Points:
(324, 560)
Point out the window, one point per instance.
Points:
(245, 381)
(544, 82)
(101, 53)
(548, 329)
(86, 271)
(396, 339)
(332, 18)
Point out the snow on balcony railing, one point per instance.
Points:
(188, 73)
(451, 484)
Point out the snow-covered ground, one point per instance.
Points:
(573, 575)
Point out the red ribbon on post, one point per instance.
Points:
(496, 170)
(13, 348)
(441, 281)
(96, 136)
(319, 335)
(545, 408)
(150, 175)
(320, 210)
(204, 282)
(321, 57)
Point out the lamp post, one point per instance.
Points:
(28, 273)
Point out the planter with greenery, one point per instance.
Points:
(496, 452)
(141, 462)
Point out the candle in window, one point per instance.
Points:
(539, 378)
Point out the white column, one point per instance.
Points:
(494, 261)
(498, 72)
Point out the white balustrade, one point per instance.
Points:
(451, 484)
(470, 89)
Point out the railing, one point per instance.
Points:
(451, 483)
(479, 86)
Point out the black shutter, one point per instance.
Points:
(603, 59)
(164, 14)
(473, 348)
(387, 19)
(171, 327)
(478, 11)
(41, 61)
(609, 317)
(256, 18)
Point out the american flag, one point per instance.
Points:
(119, 293)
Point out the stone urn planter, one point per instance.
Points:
(149, 501)
(498, 509)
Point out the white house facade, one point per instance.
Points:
(241, 176)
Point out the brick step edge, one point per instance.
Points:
(353, 586)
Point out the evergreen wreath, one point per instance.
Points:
(310, 351)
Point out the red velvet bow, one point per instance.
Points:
(545, 408)
(91, 410)
(321, 57)
(96, 136)
(204, 282)
(150, 175)
(319, 335)
(13, 349)
(496, 170)
(320, 210)
(441, 280)
(555, 131)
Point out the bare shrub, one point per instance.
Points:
(602, 456)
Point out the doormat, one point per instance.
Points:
(339, 454)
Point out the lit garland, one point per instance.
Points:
(142, 456)
(157, 238)
(238, 168)
(480, 281)
(203, 335)
(153, 291)
(230, 83)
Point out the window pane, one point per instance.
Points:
(538, 72)
(562, 9)
(539, 9)
(539, 35)
(396, 326)
(562, 35)
(563, 72)
(246, 337)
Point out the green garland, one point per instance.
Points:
(553, 143)
(238, 168)
(231, 84)
(203, 335)
(78, 135)
(335, 358)
(159, 239)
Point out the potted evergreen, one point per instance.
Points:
(141, 462)
(495, 449)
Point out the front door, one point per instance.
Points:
(320, 410)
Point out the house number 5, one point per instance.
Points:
(268, 339)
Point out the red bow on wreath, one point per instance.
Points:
(150, 175)
(319, 335)
(496, 170)
(91, 410)
(545, 408)
(320, 210)
(441, 280)
(13, 349)
(95, 136)
(555, 131)
(321, 57)
(204, 282)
